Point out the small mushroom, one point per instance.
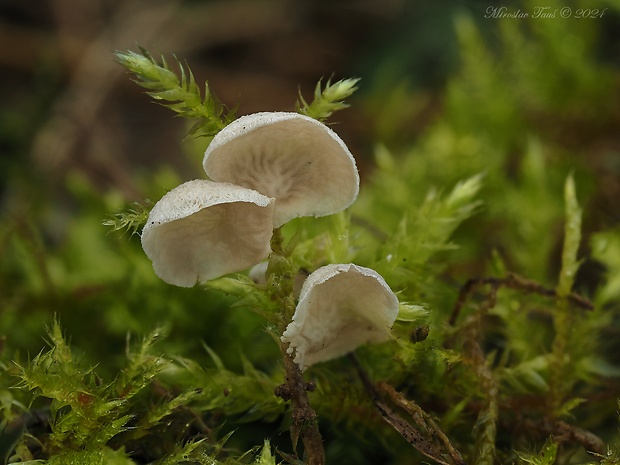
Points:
(340, 308)
(202, 230)
(293, 158)
(258, 274)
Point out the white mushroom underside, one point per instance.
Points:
(338, 313)
(303, 165)
(189, 239)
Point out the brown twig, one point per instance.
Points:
(563, 432)
(421, 418)
(433, 443)
(305, 420)
(485, 429)
(295, 389)
(512, 281)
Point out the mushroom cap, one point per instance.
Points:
(293, 158)
(202, 230)
(340, 308)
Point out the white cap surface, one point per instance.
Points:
(340, 308)
(202, 230)
(293, 158)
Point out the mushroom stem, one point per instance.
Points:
(281, 273)
(277, 241)
(305, 419)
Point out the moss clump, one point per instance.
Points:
(492, 227)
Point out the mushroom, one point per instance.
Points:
(258, 274)
(340, 308)
(293, 158)
(202, 230)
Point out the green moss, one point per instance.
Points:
(509, 288)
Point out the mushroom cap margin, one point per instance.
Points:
(297, 160)
(202, 230)
(340, 307)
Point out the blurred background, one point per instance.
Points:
(66, 104)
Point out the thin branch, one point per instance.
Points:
(485, 429)
(421, 418)
(512, 281)
(433, 443)
(563, 432)
(305, 419)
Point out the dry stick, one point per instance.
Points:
(404, 428)
(485, 430)
(563, 432)
(421, 418)
(512, 281)
(305, 420)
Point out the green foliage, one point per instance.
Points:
(327, 100)
(546, 456)
(422, 230)
(89, 418)
(265, 457)
(85, 413)
(132, 219)
(181, 95)
(606, 249)
(249, 394)
(572, 240)
(564, 317)
(103, 456)
(476, 226)
(610, 458)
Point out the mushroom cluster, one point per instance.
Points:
(265, 169)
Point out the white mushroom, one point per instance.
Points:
(202, 230)
(295, 159)
(258, 273)
(340, 308)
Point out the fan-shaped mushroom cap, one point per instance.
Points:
(340, 308)
(295, 159)
(201, 230)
